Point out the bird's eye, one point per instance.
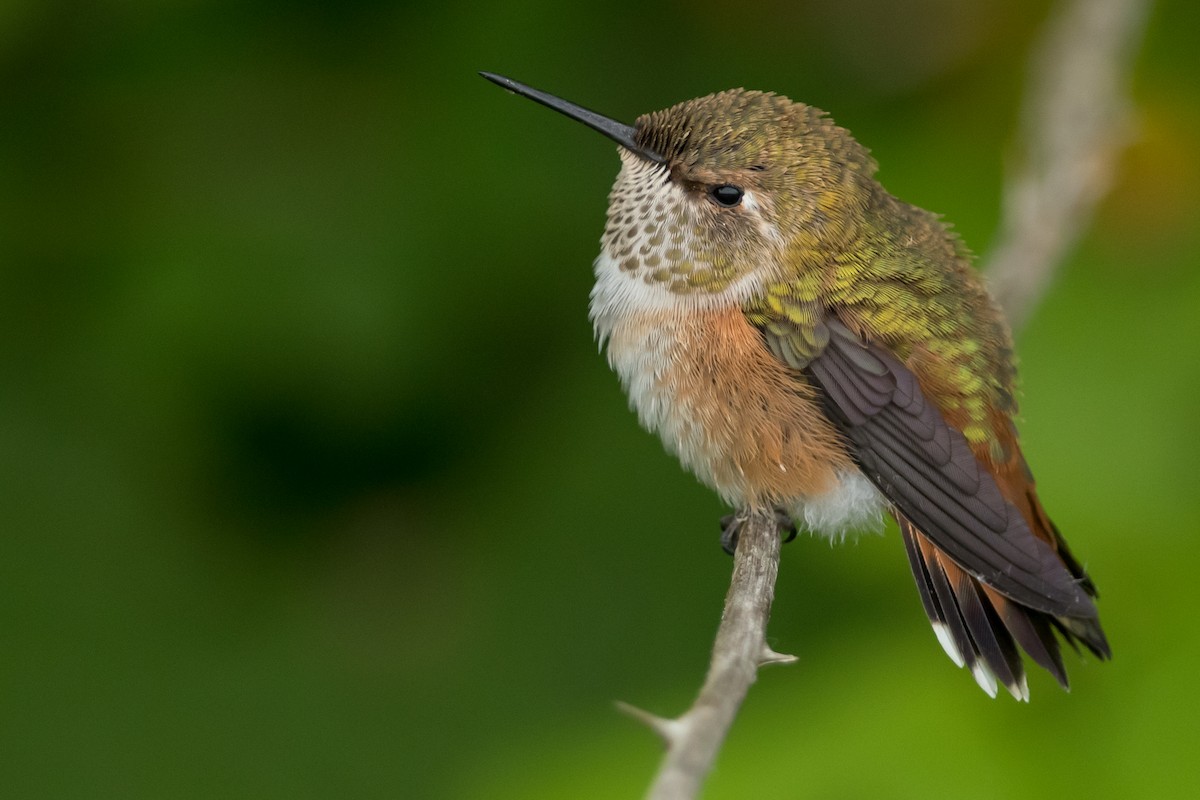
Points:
(726, 195)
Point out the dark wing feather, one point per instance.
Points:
(926, 469)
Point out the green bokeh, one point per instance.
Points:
(314, 485)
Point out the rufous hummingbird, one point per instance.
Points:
(803, 340)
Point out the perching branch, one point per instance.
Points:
(1075, 123)
(1075, 120)
(694, 739)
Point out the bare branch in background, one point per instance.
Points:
(1075, 120)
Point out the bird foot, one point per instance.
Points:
(731, 526)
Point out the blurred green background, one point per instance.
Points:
(314, 485)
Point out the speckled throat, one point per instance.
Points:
(655, 233)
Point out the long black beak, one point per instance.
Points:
(620, 133)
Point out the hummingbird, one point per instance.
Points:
(802, 340)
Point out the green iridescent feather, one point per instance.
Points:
(906, 283)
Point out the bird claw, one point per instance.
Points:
(731, 526)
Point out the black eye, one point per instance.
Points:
(726, 195)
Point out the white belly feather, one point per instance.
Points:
(645, 327)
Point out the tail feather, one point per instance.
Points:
(960, 620)
(984, 631)
(981, 628)
(1033, 632)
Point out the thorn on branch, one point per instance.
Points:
(667, 729)
(769, 656)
